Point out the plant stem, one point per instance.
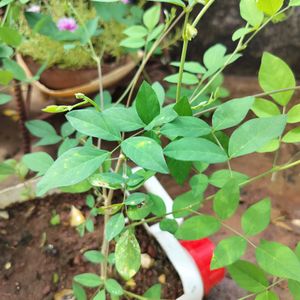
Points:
(202, 12)
(277, 153)
(5, 15)
(135, 296)
(221, 146)
(183, 55)
(266, 289)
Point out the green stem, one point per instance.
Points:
(277, 153)
(135, 296)
(202, 12)
(266, 289)
(5, 15)
(183, 56)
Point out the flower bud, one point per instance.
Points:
(190, 32)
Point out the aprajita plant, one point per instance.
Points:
(178, 139)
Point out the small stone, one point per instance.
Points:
(162, 279)
(76, 217)
(4, 215)
(8, 265)
(146, 261)
(51, 250)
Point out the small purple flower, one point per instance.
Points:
(68, 24)
(126, 1)
(34, 8)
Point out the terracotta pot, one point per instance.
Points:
(60, 83)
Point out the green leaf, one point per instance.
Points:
(100, 295)
(183, 107)
(128, 119)
(15, 69)
(113, 287)
(271, 146)
(160, 92)
(93, 256)
(187, 78)
(221, 177)
(254, 134)
(180, 170)
(226, 200)
(248, 276)
(257, 217)
(250, 12)
(114, 226)
(72, 167)
(40, 128)
(265, 108)
(4, 98)
(10, 36)
(153, 293)
(231, 113)
(147, 104)
(140, 212)
(270, 7)
(169, 225)
(198, 184)
(294, 3)
(214, 57)
(198, 227)
(128, 255)
(38, 162)
(191, 66)
(294, 288)
(6, 77)
(187, 201)
(151, 17)
(158, 207)
(175, 2)
(267, 295)
(241, 32)
(278, 260)
(135, 199)
(293, 136)
(228, 251)
(195, 149)
(137, 31)
(66, 145)
(88, 279)
(145, 152)
(294, 114)
(181, 127)
(275, 74)
(93, 123)
(107, 180)
(78, 291)
(66, 130)
(7, 168)
(133, 42)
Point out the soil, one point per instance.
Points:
(34, 252)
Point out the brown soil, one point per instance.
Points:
(37, 251)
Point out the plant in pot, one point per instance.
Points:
(177, 139)
(76, 40)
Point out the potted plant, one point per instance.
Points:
(80, 37)
(176, 139)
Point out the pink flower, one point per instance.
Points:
(125, 1)
(34, 8)
(68, 24)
